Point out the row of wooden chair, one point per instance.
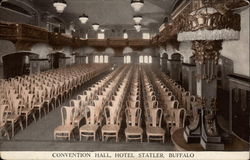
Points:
(174, 113)
(103, 99)
(77, 110)
(153, 112)
(24, 96)
(133, 110)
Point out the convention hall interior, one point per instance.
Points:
(124, 75)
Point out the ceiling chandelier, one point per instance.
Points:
(95, 26)
(137, 19)
(3, 1)
(137, 5)
(60, 5)
(137, 27)
(83, 18)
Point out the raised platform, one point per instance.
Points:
(181, 145)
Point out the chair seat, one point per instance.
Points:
(64, 128)
(110, 128)
(26, 110)
(38, 105)
(155, 131)
(13, 117)
(48, 100)
(89, 128)
(2, 125)
(133, 130)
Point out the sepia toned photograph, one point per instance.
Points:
(124, 79)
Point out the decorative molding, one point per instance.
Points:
(207, 54)
(207, 50)
(208, 24)
(118, 42)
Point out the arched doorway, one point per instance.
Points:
(17, 64)
(176, 56)
(57, 60)
(175, 68)
(164, 63)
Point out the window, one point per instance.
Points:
(100, 36)
(141, 59)
(127, 59)
(149, 59)
(96, 60)
(106, 59)
(145, 36)
(125, 35)
(100, 59)
(145, 59)
(87, 60)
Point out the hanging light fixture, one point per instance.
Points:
(137, 19)
(3, 1)
(95, 26)
(137, 27)
(137, 5)
(60, 5)
(83, 18)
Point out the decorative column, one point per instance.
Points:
(206, 56)
(206, 27)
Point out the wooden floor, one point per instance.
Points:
(181, 145)
(39, 137)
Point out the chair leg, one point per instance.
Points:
(7, 134)
(116, 136)
(12, 129)
(34, 117)
(80, 135)
(54, 136)
(21, 124)
(26, 120)
(73, 135)
(40, 115)
(53, 105)
(44, 110)
(47, 106)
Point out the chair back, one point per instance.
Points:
(67, 114)
(179, 117)
(3, 115)
(111, 114)
(90, 115)
(156, 116)
(133, 114)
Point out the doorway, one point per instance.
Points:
(17, 64)
(55, 59)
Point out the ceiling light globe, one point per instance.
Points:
(137, 19)
(60, 6)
